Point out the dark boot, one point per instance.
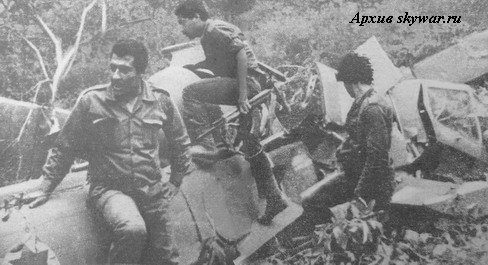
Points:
(261, 169)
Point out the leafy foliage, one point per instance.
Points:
(351, 239)
(356, 237)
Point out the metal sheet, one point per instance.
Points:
(336, 102)
(226, 191)
(459, 63)
(385, 74)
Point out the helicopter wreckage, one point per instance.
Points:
(441, 126)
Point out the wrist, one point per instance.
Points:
(176, 181)
(47, 186)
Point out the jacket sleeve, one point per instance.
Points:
(376, 172)
(69, 142)
(230, 39)
(178, 142)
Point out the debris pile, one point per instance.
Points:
(359, 238)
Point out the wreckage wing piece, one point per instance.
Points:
(443, 197)
(460, 63)
(224, 196)
(261, 234)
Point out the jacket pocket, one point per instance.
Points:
(105, 131)
(151, 129)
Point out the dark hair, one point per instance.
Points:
(133, 48)
(355, 68)
(190, 9)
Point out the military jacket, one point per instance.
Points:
(369, 125)
(221, 41)
(121, 146)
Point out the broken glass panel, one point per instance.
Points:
(454, 109)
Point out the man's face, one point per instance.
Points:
(124, 78)
(190, 26)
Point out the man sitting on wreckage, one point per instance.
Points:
(365, 154)
(115, 127)
(235, 79)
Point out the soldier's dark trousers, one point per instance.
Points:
(200, 100)
(340, 189)
(140, 227)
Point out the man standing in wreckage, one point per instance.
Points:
(365, 155)
(235, 79)
(116, 127)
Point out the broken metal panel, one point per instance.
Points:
(418, 192)
(460, 167)
(184, 53)
(230, 196)
(453, 113)
(460, 63)
(336, 102)
(461, 201)
(457, 200)
(174, 80)
(399, 153)
(293, 165)
(404, 101)
(385, 73)
(261, 234)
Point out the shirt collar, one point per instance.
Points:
(206, 28)
(146, 93)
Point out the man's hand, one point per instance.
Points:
(244, 106)
(36, 198)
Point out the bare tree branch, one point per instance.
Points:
(104, 16)
(37, 87)
(34, 127)
(67, 61)
(57, 42)
(39, 57)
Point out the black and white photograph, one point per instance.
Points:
(243, 132)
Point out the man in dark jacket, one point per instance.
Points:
(235, 80)
(365, 155)
(233, 64)
(117, 129)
